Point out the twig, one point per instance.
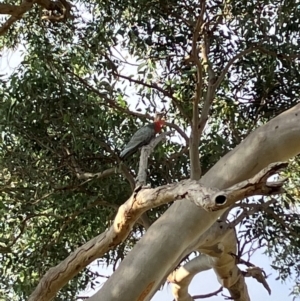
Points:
(208, 295)
(151, 85)
(114, 105)
(156, 87)
(230, 63)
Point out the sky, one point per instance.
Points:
(205, 282)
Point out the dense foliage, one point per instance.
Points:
(86, 84)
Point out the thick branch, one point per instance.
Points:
(126, 217)
(141, 201)
(182, 277)
(17, 14)
(172, 236)
(143, 166)
(257, 185)
(9, 9)
(216, 247)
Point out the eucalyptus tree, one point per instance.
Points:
(92, 72)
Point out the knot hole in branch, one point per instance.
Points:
(220, 199)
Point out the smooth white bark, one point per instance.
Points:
(146, 198)
(141, 273)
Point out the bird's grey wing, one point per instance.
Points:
(141, 137)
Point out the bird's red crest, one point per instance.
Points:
(158, 125)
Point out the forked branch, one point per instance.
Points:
(144, 199)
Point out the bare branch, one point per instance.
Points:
(182, 277)
(210, 89)
(145, 153)
(8, 9)
(208, 295)
(195, 135)
(211, 76)
(187, 223)
(97, 175)
(18, 13)
(257, 185)
(141, 200)
(142, 173)
(259, 275)
(216, 246)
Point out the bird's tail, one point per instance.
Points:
(126, 153)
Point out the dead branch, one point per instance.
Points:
(259, 275)
(253, 271)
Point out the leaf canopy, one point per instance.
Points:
(85, 85)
